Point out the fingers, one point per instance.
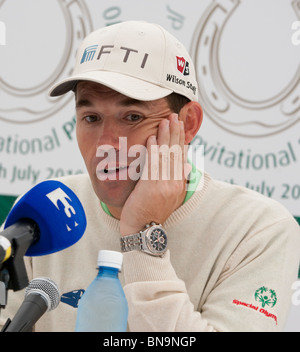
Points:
(150, 169)
(174, 130)
(171, 131)
(166, 154)
(186, 167)
(171, 148)
(163, 136)
(176, 157)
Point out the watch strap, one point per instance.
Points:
(131, 242)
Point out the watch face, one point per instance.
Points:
(157, 240)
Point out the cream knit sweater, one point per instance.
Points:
(232, 257)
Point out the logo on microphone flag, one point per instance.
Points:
(61, 200)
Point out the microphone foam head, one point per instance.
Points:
(56, 210)
(47, 288)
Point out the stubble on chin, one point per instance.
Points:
(113, 193)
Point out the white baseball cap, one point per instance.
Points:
(137, 59)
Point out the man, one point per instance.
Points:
(222, 258)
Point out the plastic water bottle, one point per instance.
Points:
(103, 307)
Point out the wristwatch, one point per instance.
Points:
(152, 240)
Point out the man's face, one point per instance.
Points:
(104, 115)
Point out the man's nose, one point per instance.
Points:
(109, 134)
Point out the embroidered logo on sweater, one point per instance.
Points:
(266, 298)
(72, 298)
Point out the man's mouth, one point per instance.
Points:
(120, 171)
(114, 169)
(110, 172)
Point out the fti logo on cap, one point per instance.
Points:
(183, 66)
(89, 53)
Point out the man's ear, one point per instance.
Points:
(192, 115)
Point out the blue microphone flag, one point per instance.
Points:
(56, 210)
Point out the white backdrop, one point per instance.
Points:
(246, 54)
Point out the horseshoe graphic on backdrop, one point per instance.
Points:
(239, 115)
(32, 104)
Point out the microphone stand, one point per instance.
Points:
(21, 235)
(13, 274)
(3, 296)
(6, 282)
(4, 279)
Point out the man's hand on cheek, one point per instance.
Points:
(161, 188)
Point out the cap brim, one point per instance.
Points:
(126, 85)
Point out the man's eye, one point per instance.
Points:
(91, 118)
(134, 117)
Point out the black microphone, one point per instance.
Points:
(41, 295)
(47, 219)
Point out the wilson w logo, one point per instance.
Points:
(182, 66)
